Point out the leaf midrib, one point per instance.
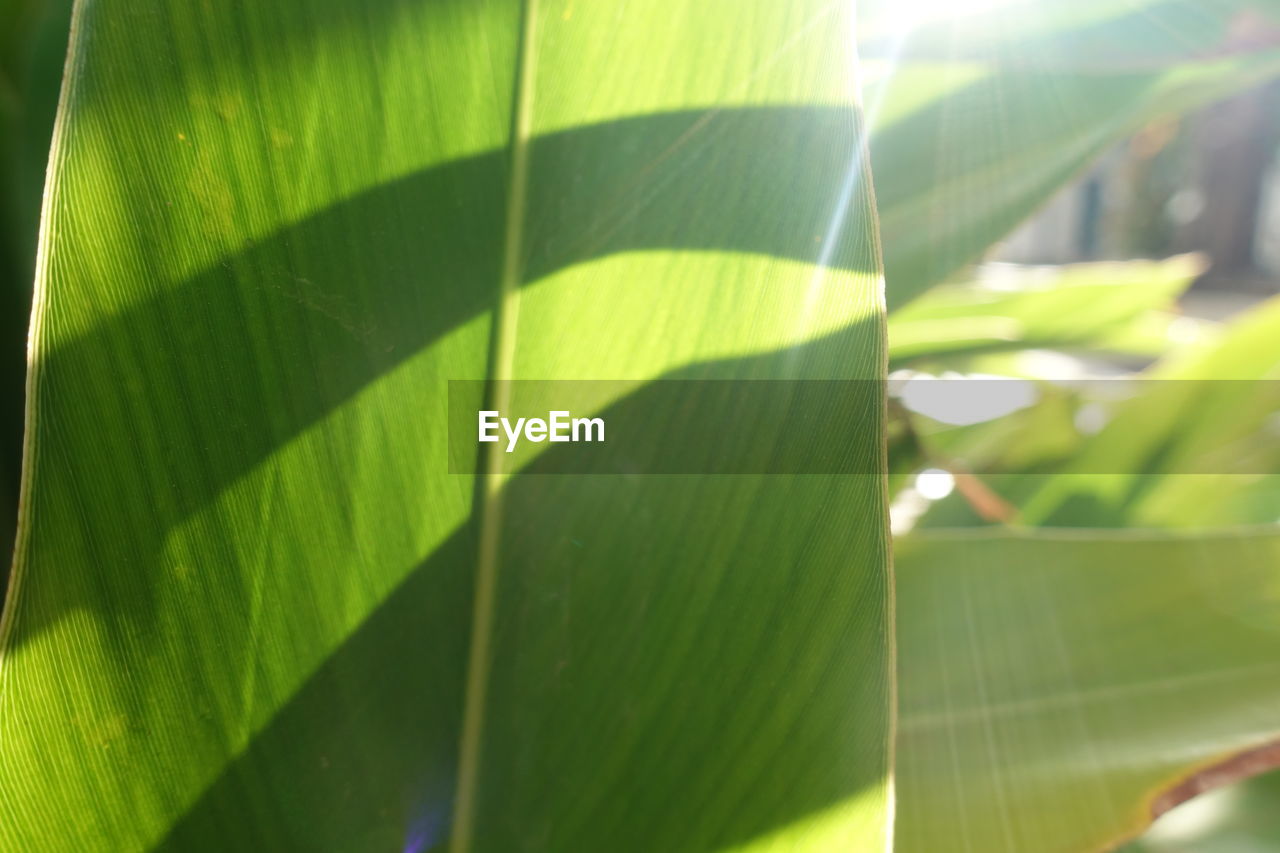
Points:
(489, 490)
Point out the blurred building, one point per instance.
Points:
(1209, 183)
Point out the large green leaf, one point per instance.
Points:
(1059, 686)
(252, 610)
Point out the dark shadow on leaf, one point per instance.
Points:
(221, 371)
(680, 663)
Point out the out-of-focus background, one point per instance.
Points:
(33, 41)
(1207, 182)
(1204, 184)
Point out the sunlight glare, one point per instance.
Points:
(944, 9)
(917, 12)
(934, 483)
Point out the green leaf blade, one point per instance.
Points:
(1056, 683)
(246, 592)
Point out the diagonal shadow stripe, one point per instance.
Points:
(642, 644)
(244, 356)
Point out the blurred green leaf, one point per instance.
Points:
(1079, 35)
(1195, 446)
(252, 611)
(965, 145)
(1055, 684)
(1111, 307)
